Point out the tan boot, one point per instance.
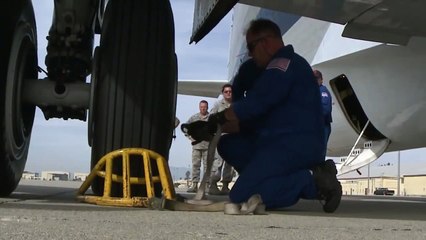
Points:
(225, 188)
(213, 189)
(194, 188)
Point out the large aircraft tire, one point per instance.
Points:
(18, 63)
(135, 96)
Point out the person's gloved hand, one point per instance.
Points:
(215, 119)
(198, 131)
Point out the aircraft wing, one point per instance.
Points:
(202, 88)
(388, 21)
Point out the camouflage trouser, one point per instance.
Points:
(221, 169)
(198, 155)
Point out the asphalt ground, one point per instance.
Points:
(48, 210)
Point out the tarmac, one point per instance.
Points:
(48, 210)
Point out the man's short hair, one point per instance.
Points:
(262, 25)
(204, 101)
(227, 85)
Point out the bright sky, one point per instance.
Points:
(62, 145)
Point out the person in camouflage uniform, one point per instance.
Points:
(221, 169)
(199, 150)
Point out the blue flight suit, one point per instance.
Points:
(326, 111)
(243, 81)
(274, 159)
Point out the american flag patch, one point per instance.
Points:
(279, 63)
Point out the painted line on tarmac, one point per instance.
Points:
(390, 200)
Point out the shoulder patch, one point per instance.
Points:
(279, 63)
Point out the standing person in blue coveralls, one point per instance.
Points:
(326, 108)
(280, 159)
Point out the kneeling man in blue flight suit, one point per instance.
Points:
(279, 155)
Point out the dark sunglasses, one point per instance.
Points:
(251, 45)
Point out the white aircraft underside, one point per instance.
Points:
(387, 80)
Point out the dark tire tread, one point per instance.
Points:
(135, 97)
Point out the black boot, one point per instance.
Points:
(329, 188)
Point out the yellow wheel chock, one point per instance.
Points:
(104, 169)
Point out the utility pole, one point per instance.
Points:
(399, 174)
(368, 180)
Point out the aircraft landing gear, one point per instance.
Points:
(18, 64)
(135, 92)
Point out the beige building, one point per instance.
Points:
(415, 185)
(80, 176)
(366, 186)
(55, 176)
(410, 185)
(30, 175)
